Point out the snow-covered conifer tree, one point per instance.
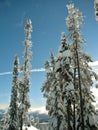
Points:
(52, 92)
(13, 107)
(61, 88)
(67, 79)
(57, 111)
(24, 85)
(82, 73)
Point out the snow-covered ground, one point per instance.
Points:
(29, 128)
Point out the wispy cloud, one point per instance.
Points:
(95, 93)
(33, 70)
(95, 63)
(40, 110)
(94, 66)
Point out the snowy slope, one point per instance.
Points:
(30, 128)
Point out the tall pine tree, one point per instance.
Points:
(83, 74)
(24, 85)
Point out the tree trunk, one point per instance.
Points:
(74, 120)
(69, 114)
(80, 91)
(21, 123)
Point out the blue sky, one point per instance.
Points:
(48, 19)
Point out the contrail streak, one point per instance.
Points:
(5, 73)
(33, 70)
(38, 70)
(94, 66)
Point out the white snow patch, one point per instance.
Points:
(29, 128)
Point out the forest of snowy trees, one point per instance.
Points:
(69, 79)
(67, 88)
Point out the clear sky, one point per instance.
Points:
(48, 20)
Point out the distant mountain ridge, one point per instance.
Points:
(2, 113)
(43, 117)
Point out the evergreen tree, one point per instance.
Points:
(82, 73)
(24, 85)
(53, 94)
(57, 120)
(13, 108)
(61, 90)
(64, 77)
(67, 79)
